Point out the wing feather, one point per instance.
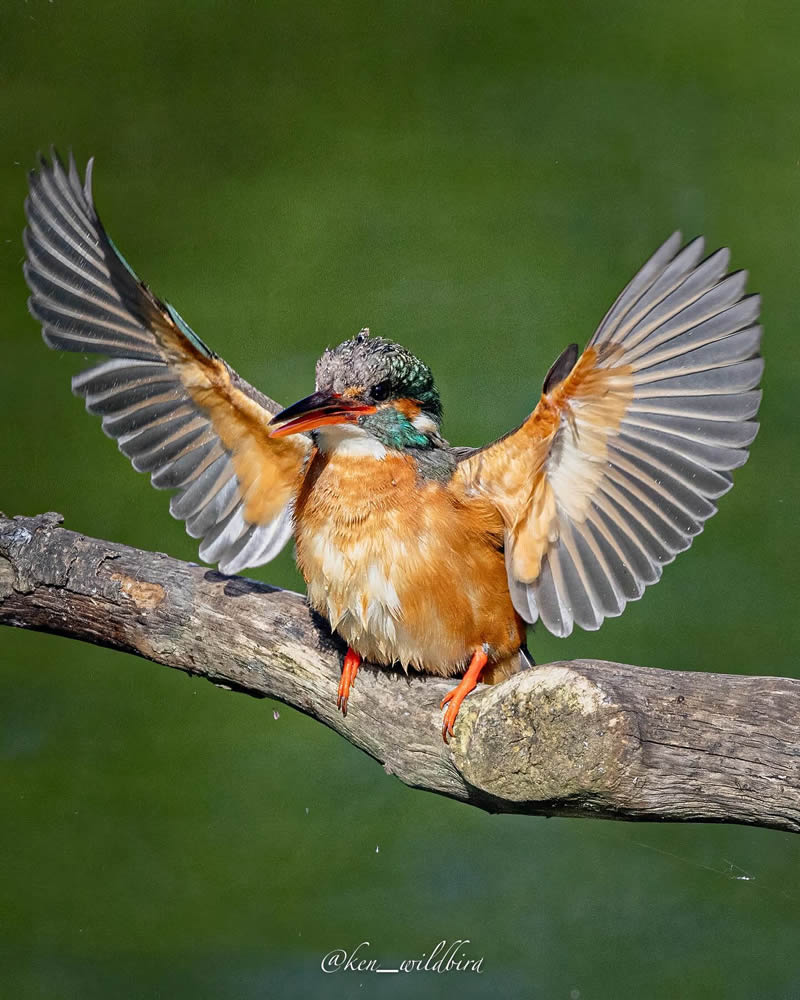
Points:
(176, 410)
(621, 463)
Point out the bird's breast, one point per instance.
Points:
(400, 568)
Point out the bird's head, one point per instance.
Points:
(368, 387)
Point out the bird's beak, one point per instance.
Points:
(316, 410)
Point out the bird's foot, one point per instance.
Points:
(352, 662)
(458, 694)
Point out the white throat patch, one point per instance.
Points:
(425, 424)
(349, 439)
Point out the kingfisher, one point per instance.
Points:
(419, 554)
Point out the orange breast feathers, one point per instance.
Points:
(405, 570)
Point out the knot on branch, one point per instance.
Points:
(552, 734)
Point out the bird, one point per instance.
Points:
(420, 555)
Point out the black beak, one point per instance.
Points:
(316, 410)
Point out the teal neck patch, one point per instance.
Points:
(394, 430)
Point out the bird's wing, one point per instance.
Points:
(630, 444)
(177, 410)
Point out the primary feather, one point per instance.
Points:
(176, 410)
(623, 459)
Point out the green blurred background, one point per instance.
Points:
(477, 181)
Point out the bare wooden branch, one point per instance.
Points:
(584, 738)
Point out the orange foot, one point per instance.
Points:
(458, 694)
(352, 662)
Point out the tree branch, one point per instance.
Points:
(584, 738)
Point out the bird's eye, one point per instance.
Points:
(381, 391)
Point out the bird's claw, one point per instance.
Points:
(449, 715)
(352, 661)
(447, 725)
(460, 692)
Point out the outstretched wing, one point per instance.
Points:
(177, 410)
(628, 449)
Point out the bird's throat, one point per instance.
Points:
(348, 440)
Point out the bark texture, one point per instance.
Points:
(580, 738)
